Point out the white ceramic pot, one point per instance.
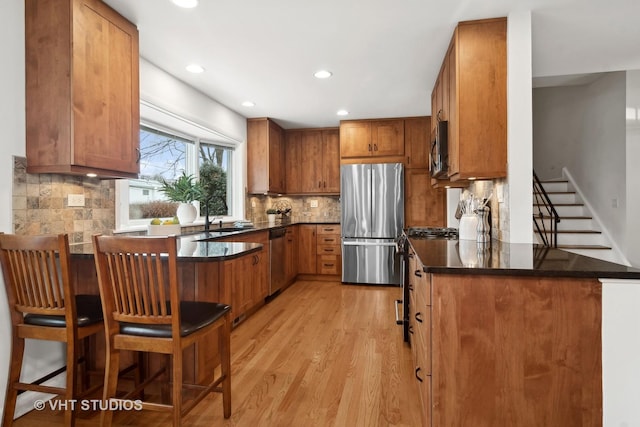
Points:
(186, 213)
(271, 218)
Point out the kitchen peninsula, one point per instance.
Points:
(202, 265)
(508, 334)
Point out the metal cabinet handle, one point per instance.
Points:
(417, 273)
(410, 255)
(328, 265)
(369, 147)
(328, 249)
(410, 287)
(417, 376)
(375, 147)
(418, 316)
(411, 329)
(398, 319)
(138, 155)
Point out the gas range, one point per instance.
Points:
(432, 233)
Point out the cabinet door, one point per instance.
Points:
(355, 139)
(387, 137)
(424, 205)
(293, 169)
(307, 249)
(453, 114)
(257, 274)
(311, 161)
(416, 141)
(331, 161)
(105, 89)
(291, 248)
(276, 158)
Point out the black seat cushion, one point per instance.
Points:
(195, 315)
(88, 309)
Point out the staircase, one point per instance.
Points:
(577, 230)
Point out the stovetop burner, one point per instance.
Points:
(432, 232)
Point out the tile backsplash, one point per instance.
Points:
(40, 204)
(303, 208)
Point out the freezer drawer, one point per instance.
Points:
(370, 261)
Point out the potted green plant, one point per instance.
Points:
(183, 190)
(271, 215)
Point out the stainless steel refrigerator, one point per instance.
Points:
(372, 218)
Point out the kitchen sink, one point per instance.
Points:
(222, 229)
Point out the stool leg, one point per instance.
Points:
(17, 352)
(72, 385)
(176, 387)
(112, 366)
(225, 361)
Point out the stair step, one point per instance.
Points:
(589, 247)
(568, 217)
(575, 231)
(556, 192)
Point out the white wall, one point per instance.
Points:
(632, 246)
(582, 128)
(12, 123)
(620, 353)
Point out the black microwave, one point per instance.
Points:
(439, 153)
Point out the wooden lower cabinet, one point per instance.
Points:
(291, 250)
(420, 332)
(307, 249)
(244, 281)
(319, 250)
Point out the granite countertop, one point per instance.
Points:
(191, 248)
(202, 246)
(513, 259)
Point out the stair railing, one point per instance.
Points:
(544, 208)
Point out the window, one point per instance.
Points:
(167, 153)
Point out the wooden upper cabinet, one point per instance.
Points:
(82, 89)
(372, 138)
(265, 157)
(293, 165)
(313, 161)
(423, 205)
(331, 161)
(416, 141)
(387, 137)
(477, 115)
(355, 139)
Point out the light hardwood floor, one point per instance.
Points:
(320, 354)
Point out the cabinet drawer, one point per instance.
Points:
(329, 229)
(422, 285)
(329, 264)
(329, 250)
(422, 339)
(328, 239)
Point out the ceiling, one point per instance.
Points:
(384, 54)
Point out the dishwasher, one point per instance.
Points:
(277, 260)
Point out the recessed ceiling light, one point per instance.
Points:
(195, 68)
(342, 112)
(91, 175)
(323, 74)
(248, 104)
(187, 4)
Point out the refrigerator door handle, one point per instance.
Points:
(352, 243)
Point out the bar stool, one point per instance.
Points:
(36, 272)
(138, 282)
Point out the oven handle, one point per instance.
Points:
(398, 320)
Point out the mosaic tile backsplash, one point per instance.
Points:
(40, 204)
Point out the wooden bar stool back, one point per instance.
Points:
(138, 282)
(38, 283)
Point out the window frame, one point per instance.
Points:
(176, 125)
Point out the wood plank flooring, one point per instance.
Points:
(320, 354)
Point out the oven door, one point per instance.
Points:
(402, 305)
